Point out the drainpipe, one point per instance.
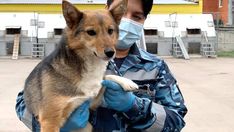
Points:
(37, 27)
(230, 12)
(173, 29)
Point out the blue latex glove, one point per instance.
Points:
(78, 119)
(116, 98)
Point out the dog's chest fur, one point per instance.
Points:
(90, 82)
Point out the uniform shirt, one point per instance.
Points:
(159, 105)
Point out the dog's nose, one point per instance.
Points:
(109, 52)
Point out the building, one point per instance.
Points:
(47, 6)
(37, 26)
(194, 30)
(177, 6)
(54, 6)
(179, 28)
(222, 10)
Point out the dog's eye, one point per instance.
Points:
(91, 32)
(110, 31)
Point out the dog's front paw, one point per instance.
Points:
(126, 84)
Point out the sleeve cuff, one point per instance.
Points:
(139, 111)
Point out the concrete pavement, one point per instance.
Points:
(208, 89)
(207, 86)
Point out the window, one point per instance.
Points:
(33, 22)
(41, 24)
(194, 48)
(24, 32)
(90, 1)
(50, 34)
(152, 48)
(9, 48)
(167, 24)
(151, 32)
(193, 31)
(58, 31)
(220, 3)
(11, 31)
(195, 1)
(210, 23)
(173, 24)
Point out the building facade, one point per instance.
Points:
(40, 24)
(232, 12)
(54, 6)
(222, 11)
(177, 6)
(179, 27)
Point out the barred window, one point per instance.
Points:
(193, 31)
(151, 31)
(58, 31)
(11, 31)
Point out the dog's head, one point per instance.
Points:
(95, 32)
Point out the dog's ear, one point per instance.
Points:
(117, 9)
(71, 14)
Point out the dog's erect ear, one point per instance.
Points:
(71, 14)
(117, 9)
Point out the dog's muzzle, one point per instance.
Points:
(109, 52)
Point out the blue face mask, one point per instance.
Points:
(129, 32)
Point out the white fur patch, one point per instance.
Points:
(90, 83)
(127, 84)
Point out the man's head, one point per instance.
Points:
(137, 10)
(131, 24)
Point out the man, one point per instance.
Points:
(157, 106)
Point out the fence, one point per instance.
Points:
(225, 37)
(225, 34)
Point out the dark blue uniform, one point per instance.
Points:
(160, 106)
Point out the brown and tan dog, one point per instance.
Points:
(74, 71)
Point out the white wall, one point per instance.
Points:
(13, 20)
(10, 20)
(153, 21)
(51, 21)
(185, 21)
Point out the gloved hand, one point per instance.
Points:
(116, 98)
(78, 119)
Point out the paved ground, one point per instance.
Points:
(207, 86)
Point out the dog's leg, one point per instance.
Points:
(51, 113)
(49, 123)
(127, 84)
(48, 128)
(97, 100)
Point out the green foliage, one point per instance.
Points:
(226, 54)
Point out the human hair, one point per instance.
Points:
(146, 6)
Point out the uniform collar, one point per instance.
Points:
(140, 54)
(134, 57)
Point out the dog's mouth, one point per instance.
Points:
(103, 58)
(95, 54)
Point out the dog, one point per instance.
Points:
(73, 72)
